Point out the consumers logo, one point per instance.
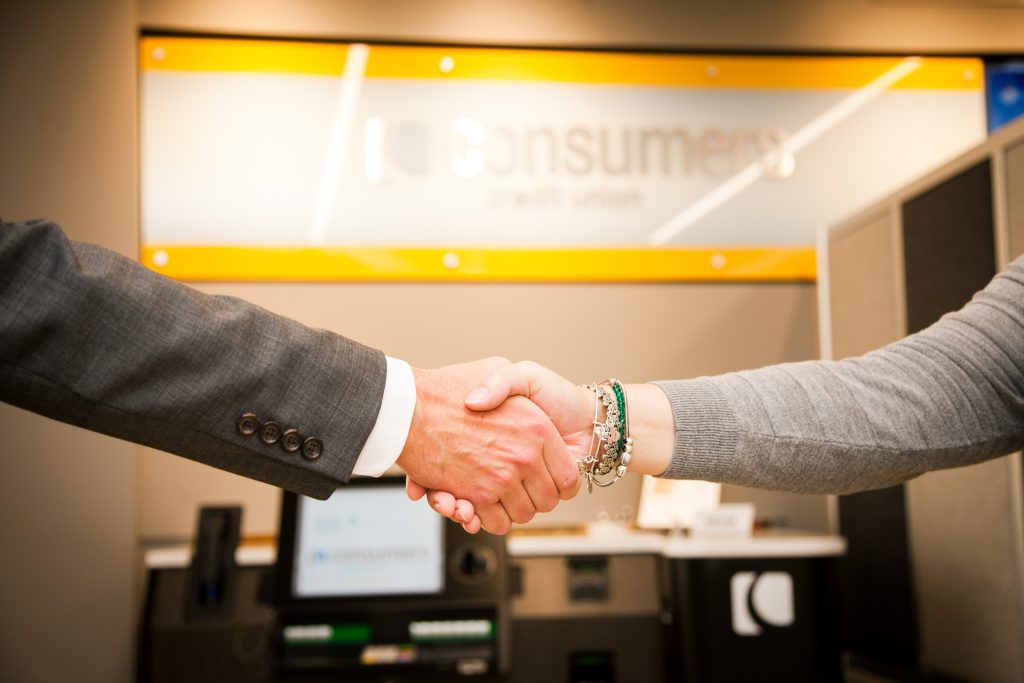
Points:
(761, 600)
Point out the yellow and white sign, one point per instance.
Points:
(287, 160)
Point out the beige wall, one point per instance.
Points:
(67, 139)
(67, 496)
(894, 26)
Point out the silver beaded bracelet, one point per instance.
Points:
(611, 447)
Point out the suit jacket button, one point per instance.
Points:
(247, 424)
(270, 432)
(312, 448)
(291, 440)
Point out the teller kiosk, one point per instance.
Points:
(371, 586)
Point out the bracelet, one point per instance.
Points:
(611, 447)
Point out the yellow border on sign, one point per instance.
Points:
(318, 264)
(507, 64)
(633, 264)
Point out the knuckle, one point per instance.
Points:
(530, 366)
(569, 485)
(482, 498)
(495, 521)
(503, 479)
(523, 460)
(522, 517)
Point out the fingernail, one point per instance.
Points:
(477, 395)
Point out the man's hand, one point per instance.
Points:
(569, 407)
(506, 461)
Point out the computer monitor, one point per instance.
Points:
(367, 541)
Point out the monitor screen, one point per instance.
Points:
(367, 540)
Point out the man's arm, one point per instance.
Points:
(91, 338)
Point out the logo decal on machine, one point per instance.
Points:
(761, 600)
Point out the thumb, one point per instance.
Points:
(568, 406)
(414, 490)
(496, 389)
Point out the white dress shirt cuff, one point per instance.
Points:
(387, 439)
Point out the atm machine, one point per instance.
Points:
(373, 587)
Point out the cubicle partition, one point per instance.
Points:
(934, 577)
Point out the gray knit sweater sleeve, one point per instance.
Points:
(950, 395)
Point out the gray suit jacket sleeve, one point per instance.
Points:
(92, 338)
(950, 395)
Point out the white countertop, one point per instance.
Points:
(761, 544)
(603, 542)
(181, 556)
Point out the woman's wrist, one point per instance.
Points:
(652, 428)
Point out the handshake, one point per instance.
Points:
(494, 442)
